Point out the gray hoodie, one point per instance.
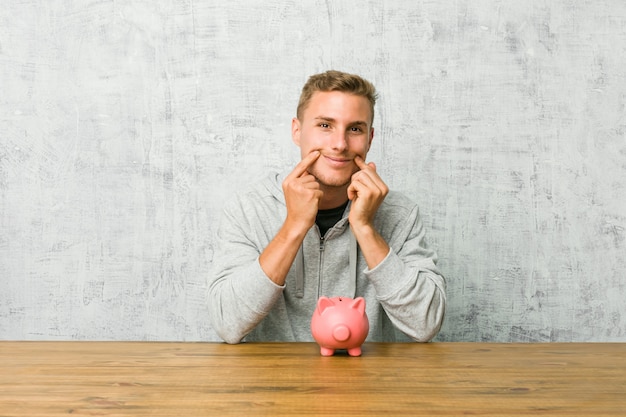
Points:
(404, 294)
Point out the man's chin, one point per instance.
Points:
(332, 181)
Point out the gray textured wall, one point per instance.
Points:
(125, 124)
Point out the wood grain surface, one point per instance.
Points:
(196, 379)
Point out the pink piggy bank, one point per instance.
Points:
(340, 323)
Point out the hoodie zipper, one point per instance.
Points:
(319, 273)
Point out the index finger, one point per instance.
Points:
(360, 162)
(305, 163)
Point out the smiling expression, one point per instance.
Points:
(338, 125)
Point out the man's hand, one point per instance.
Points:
(302, 195)
(367, 192)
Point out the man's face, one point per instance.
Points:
(339, 126)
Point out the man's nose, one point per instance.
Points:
(339, 140)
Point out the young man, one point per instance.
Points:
(329, 227)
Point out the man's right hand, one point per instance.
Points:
(302, 195)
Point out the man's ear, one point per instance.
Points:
(369, 145)
(295, 131)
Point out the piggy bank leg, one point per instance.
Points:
(327, 352)
(355, 351)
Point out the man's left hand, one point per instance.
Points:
(367, 192)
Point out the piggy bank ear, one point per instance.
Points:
(358, 304)
(323, 303)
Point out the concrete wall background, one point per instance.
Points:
(125, 124)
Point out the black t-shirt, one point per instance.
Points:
(328, 218)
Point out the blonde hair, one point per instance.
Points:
(337, 81)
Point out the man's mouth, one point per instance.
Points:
(338, 161)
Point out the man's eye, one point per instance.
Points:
(356, 129)
(324, 125)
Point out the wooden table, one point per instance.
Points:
(196, 379)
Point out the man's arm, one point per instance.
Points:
(408, 284)
(367, 192)
(240, 293)
(302, 195)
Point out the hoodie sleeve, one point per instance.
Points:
(240, 293)
(408, 284)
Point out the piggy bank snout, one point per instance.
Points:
(341, 333)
